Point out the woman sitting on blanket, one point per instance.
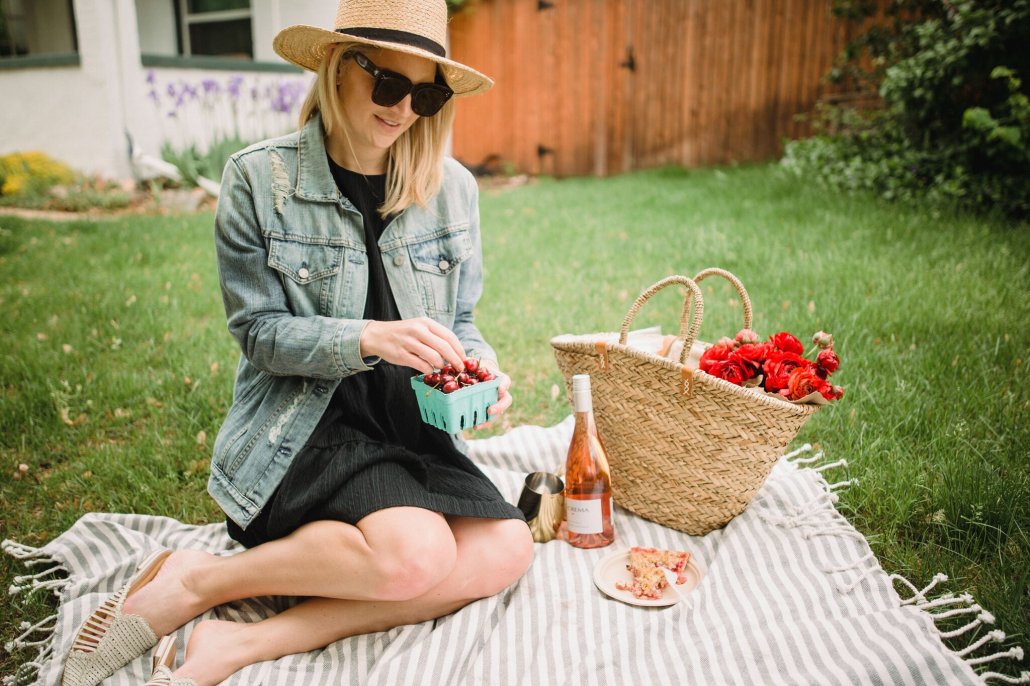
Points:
(349, 258)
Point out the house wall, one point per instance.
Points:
(272, 15)
(196, 108)
(81, 114)
(156, 22)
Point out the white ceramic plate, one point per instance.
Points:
(612, 569)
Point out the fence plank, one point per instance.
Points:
(715, 81)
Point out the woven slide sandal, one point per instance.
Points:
(108, 639)
(164, 662)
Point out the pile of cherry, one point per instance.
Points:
(448, 379)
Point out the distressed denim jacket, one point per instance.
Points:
(294, 274)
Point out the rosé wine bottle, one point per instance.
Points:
(588, 481)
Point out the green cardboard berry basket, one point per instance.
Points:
(454, 412)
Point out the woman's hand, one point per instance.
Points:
(504, 398)
(422, 343)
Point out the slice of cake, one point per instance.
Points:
(645, 564)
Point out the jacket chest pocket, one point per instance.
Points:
(436, 262)
(308, 272)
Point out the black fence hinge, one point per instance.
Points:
(629, 63)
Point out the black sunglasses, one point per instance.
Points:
(391, 87)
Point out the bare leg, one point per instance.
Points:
(394, 554)
(491, 555)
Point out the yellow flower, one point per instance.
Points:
(13, 185)
(36, 167)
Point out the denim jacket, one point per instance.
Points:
(293, 272)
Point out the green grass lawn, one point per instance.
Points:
(116, 367)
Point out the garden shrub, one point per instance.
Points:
(37, 181)
(27, 174)
(955, 118)
(194, 162)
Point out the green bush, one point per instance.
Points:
(193, 162)
(30, 174)
(35, 180)
(955, 122)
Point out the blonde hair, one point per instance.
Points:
(414, 168)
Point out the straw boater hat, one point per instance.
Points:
(417, 27)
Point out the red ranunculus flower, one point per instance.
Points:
(802, 381)
(823, 340)
(729, 370)
(751, 356)
(828, 360)
(788, 343)
(778, 366)
(714, 354)
(831, 392)
(746, 336)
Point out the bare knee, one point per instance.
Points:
(509, 556)
(414, 564)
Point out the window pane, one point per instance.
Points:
(197, 6)
(222, 38)
(36, 28)
(12, 29)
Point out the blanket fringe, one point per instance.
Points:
(27, 672)
(41, 634)
(794, 453)
(814, 519)
(967, 606)
(27, 555)
(830, 465)
(36, 582)
(1023, 678)
(919, 597)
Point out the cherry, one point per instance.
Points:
(488, 377)
(472, 381)
(463, 378)
(471, 365)
(432, 379)
(444, 378)
(449, 370)
(450, 386)
(483, 371)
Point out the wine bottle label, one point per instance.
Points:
(584, 516)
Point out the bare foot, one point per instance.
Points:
(216, 651)
(165, 603)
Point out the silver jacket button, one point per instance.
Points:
(303, 273)
(444, 264)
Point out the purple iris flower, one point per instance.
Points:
(235, 81)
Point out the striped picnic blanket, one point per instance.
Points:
(792, 595)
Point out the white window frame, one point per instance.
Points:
(190, 18)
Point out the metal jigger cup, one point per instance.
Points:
(543, 503)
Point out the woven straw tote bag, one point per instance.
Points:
(687, 450)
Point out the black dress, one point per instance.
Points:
(371, 450)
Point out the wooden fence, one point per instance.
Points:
(604, 86)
